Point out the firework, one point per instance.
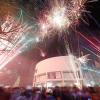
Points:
(84, 59)
(58, 19)
(61, 14)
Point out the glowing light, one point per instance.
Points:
(84, 59)
(43, 54)
(37, 39)
(77, 84)
(43, 29)
(58, 18)
(49, 84)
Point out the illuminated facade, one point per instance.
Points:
(56, 71)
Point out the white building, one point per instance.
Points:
(57, 71)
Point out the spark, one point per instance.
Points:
(84, 59)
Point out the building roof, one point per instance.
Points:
(60, 63)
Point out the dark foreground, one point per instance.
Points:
(64, 93)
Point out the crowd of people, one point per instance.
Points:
(57, 93)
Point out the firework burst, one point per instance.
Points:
(60, 14)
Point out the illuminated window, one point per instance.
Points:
(54, 75)
(51, 75)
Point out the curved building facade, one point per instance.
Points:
(56, 71)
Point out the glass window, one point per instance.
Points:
(54, 75)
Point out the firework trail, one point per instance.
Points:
(89, 41)
(91, 52)
(14, 30)
(10, 56)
